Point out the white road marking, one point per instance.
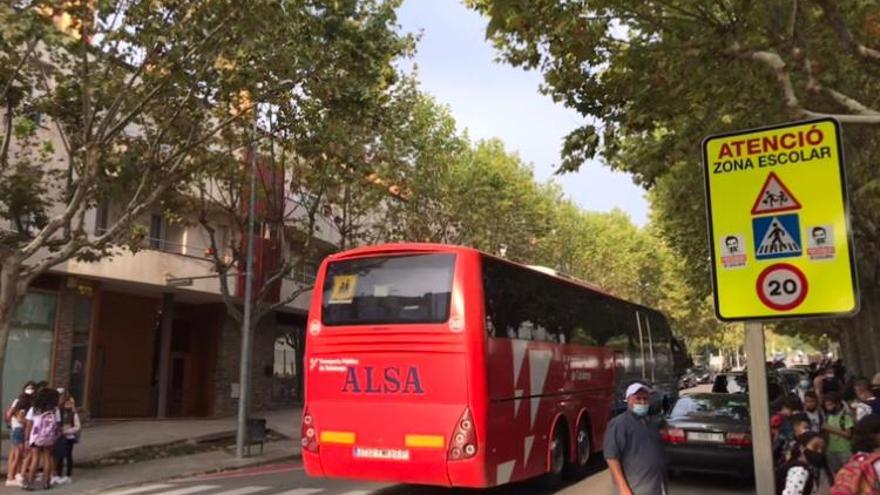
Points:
(138, 489)
(247, 490)
(189, 489)
(302, 491)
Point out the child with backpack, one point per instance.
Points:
(42, 431)
(838, 425)
(807, 473)
(70, 430)
(861, 475)
(15, 417)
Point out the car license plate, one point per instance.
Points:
(386, 454)
(696, 436)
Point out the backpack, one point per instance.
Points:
(46, 429)
(858, 476)
(781, 475)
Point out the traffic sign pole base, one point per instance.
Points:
(759, 405)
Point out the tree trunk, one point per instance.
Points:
(848, 347)
(873, 307)
(11, 291)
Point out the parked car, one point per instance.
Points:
(709, 433)
(792, 377)
(702, 375)
(687, 380)
(737, 382)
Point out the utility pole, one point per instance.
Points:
(246, 330)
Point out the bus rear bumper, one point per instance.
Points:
(467, 474)
(422, 467)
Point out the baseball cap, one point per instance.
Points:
(635, 387)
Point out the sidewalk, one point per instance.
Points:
(105, 438)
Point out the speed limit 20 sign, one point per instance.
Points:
(779, 232)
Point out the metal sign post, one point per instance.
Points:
(759, 405)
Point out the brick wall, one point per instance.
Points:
(263, 383)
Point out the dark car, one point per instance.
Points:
(737, 382)
(702, 375)
(793, 377)
(710, 433)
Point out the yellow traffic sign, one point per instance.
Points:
(778, 222)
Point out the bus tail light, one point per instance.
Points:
(309, 433)
(464, 438)
(739, 439)
(673, 435)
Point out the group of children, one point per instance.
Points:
(44, 427)
(818, 438)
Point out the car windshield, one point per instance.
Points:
(712, 407)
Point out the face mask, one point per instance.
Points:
(29, 391)
(814, 458)
(641, 409)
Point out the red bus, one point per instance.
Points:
(441, 365)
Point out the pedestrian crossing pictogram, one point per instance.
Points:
(777, 237)
(774, 197)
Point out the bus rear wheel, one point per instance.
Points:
(583, 450)
(558, 453)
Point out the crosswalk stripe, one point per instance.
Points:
(189, 489)
(302, 491)
(138, 489)
(247, 490)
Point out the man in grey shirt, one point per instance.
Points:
(633, 447)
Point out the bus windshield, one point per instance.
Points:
(389, 289)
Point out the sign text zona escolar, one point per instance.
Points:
(770, 151)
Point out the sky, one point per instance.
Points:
(492, 99)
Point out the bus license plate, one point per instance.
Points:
(385, 454)
(695, 436)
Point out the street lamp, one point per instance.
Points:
(246, 337)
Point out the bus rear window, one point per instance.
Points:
(389, 289)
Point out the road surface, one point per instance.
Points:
(289, 479)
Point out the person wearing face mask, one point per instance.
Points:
(838, 426)
(806, 474)
(633, 448)
(826, 382)
(15, 420)
(864, 402)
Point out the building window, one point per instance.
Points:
(82, 322)
(101, 214)
(157, 231)
(285, 358)
(29, 348)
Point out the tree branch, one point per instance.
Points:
(775, 62)
(844, 34)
